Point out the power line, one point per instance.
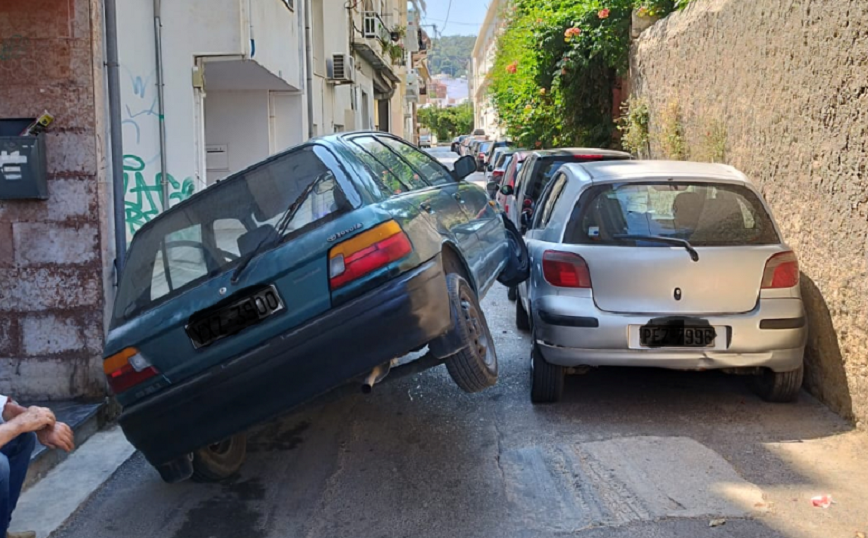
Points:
(448, 11)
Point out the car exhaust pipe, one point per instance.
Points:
(377, 374)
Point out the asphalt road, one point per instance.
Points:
(630, 452)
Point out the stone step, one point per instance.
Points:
(85, 419)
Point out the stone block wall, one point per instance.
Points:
(781, 86)
(55, 255)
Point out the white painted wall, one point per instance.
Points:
(240, 121)
(288, 120)
(191, 29)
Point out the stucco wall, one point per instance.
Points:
(788, 82)
(55, 255)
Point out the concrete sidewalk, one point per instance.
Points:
(51, 501)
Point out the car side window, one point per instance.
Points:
(383, 183)
(434, 173)
(181, 260)
(398, 167)
(522, 174)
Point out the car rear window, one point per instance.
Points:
(214, 229)
(705, 214)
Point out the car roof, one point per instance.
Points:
(637, 170)
(569, 152)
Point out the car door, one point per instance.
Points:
(462, 208)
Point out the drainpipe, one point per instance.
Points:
(161, 99)
(116, 147)
(308, 63)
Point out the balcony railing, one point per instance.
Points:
(374, 27)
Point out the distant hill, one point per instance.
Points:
(451, 54)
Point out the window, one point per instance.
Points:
(433, 172)
(180, 261)
(548, 201)
(706, 214)
(404, 175)
(226, 234)
(382, 183)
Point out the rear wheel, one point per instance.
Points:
(220, 460)
(547, 380)
(778, 387)
(512, 293)
(522, 320)
(474, 368)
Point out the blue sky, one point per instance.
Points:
(465, 16)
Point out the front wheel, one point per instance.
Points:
(778, 387)
(220, 460)
(474, 368)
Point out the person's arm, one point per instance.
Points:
(11, 409)
(33, 419)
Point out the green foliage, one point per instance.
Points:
(449, 122)
(714, 142)
(633, 125)
(556, 65)
(451, 55)
(671, 135)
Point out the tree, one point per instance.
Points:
(449, 122)
(451, 55)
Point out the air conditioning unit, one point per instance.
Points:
(340, 68)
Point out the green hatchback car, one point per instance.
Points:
(318, 267)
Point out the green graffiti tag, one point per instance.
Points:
(148, 199)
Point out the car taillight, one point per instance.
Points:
(566, 270)
(782, 271)
(497, 173)
(367, 252)
(588, 157)
(127, 369)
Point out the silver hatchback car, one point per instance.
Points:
(664, 264)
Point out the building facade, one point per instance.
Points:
(482, 60)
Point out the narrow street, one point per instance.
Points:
(630, 452)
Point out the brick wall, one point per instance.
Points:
(55, 258)
(788, 81)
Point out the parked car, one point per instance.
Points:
(490, 153)
(456, 143)
(312, 269)
(493, 155)
(540, 166)
(481, 152)
(425, 140)
(500, 166)
(661, 264)
(466, 145)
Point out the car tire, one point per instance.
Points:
(778, 387)
(522, 318)
(221, 460)
(512, 293)
(474, 368)
(546, 379)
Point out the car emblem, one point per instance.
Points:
(677, 294)
(338, 235)
(222, 291)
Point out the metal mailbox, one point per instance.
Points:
(22, 168)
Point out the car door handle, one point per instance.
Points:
(458, 197)
(426, 207)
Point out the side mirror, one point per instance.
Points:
(507, 190)
(463, 167)
(490, 168)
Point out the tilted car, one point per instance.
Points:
(315, 268)
(662, 264)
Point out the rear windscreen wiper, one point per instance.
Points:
(281, 227)
(661, 239)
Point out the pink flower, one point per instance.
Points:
(603, 14)
(572, 32)
(512, 68)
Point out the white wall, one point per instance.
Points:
(191, 29)
(288, 120)
(240, 121)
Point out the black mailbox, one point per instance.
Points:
(22, 168)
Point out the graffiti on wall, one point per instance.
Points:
(13, 47)
(142, 174)
(144, 195)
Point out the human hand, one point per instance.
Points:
(34, 419)
(58, 436)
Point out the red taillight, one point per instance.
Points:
(127, 369)
(589, 157)
(566, 270)
(482, 156)
(367, 252)
(782, 271)
(497, 173)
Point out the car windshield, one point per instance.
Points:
(484, 147)
(705, 214)
(216, 228)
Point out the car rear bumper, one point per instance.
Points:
(286, 371)
(572, 331)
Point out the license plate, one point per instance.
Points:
(231, 319)
(654, 336)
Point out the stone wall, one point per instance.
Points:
(780, 88)
(55, 255)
